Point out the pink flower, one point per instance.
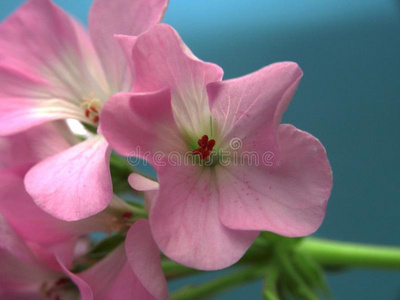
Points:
(50, 69)
(19, 153)
(37, 250)
(207, 216)
(29, 271)
(132, 271)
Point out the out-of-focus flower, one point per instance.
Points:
(19, 153)
(30, 271)
(51, 69)
(37, 249)
(207, 213)
(131, 271)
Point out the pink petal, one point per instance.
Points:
(250, 108)
(75, 183)
(13, 243)
(20, 295)
(144, 258)
(25, 101)
(32, 146)
(25, 271)
(47, 66)
(17, 276)
(140, 125)
(46, 254)
(35, 34)
(113, 278)
(84, 289)
(150, 187)
(126, 43)
(120, 17)
(27, 219)
(288, 198)
(162, 60)
(35, 225)
(185, 224)
(141, 183)
(19, 271)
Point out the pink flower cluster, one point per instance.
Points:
(140, 87)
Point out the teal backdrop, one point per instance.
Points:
(349, 98)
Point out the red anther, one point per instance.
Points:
(206, 146)
(197, 151)
(96, 119)
(127, 215)
(210, 144)
(61, 281)
(93, 109)
(204, 140)
(202, 152)
(87, 112)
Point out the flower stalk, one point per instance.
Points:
(328, 254)
(342, 254)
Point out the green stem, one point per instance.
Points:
(270, 291)
(297, 281)
(173, 270)
(342, 254)
(327, 253)
(220, 284)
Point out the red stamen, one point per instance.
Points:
(87, 112)
(93, 109)
(210, 144)
(206, 147)
(96, 119)
(204, 140)
(61, 281)
(197, 151)
(127, 215)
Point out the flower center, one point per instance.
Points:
(92, 107)
(57, 289)
(205, 147)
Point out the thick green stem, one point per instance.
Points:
(327, 253)
(219, 285)
(342, 254)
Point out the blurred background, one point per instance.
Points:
(349, 98)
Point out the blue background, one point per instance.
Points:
(349, 98)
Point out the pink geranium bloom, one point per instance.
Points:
(29, 271)
(36, 249)
(19, 153)
(131, 271)
(207, 216)
(51, 69)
